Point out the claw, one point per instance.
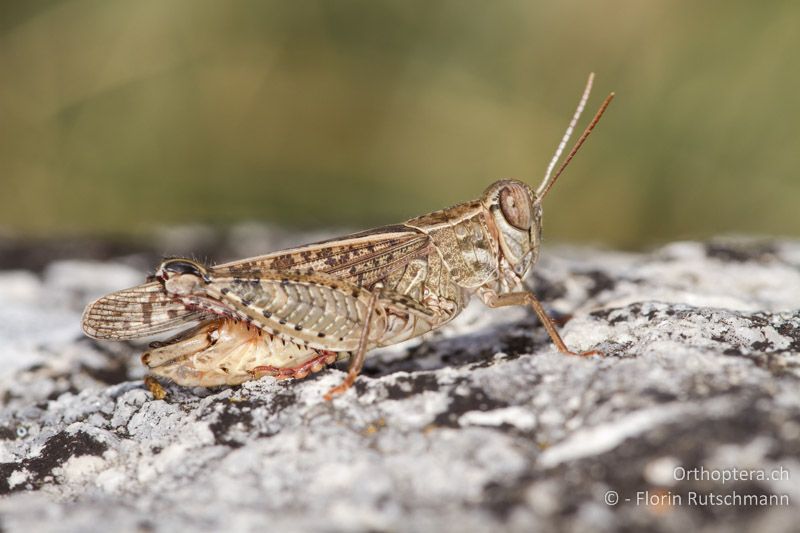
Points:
(341, 388)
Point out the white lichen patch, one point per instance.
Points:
(516, 416)
(82, 469)
(605, 437)
(17, 477)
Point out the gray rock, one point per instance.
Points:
(480, 426)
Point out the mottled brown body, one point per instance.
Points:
(312, 301)
(291, 312)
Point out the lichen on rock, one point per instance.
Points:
(479, 426)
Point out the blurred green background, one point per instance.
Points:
(118, 117)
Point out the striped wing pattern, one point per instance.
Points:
(361, 259)
(137, 312)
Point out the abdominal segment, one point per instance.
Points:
(229, 352)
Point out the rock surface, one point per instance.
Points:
(480, 426)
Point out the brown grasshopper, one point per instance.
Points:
(293, 312)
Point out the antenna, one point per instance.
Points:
(548, 182)
(567, 134)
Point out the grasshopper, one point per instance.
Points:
(293, 312)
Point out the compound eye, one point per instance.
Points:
(516, 207)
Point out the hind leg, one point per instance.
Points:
(357, 359)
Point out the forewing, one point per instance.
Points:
(137, 312)
(362, 258)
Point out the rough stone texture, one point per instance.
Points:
(478, 427)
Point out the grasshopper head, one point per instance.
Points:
(516, 209)
(181, 276)
(517, 214)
